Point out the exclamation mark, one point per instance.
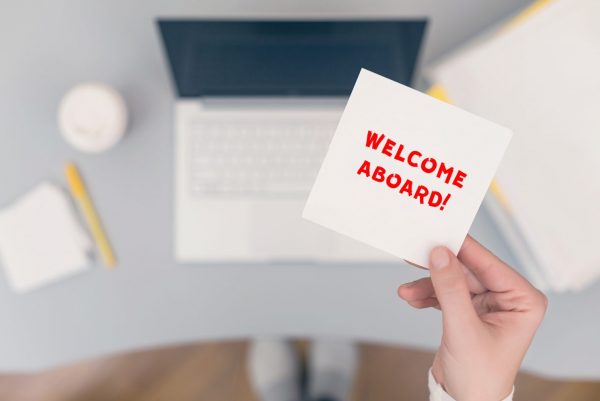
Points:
(446, 199)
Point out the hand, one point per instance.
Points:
(490, 314)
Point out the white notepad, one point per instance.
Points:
(41, 239)
(405, 172)
(542, 79)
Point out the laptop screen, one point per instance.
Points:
(274, 58)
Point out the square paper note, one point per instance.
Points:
(41, 239)
(404, 171)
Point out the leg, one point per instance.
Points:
(331, 370)
(274, 370)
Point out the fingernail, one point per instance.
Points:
(439, 258)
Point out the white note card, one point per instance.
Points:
(41, 239)
(405, 172)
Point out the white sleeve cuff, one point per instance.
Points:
(437, 393)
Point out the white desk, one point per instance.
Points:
(46, 47)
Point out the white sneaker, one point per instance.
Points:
(274, 371)
(331, 369)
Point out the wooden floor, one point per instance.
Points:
(216, 371)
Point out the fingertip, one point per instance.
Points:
(401, 291)
(468, 243)
(469, 240)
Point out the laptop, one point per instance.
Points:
(257, 105)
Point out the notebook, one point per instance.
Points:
(41, 239)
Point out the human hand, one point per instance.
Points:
(489, 313)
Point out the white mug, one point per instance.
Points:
(92, 117)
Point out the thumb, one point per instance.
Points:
(451, 289)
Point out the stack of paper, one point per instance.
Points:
(541, 78)
(41, 239)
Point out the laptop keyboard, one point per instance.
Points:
(260, 159)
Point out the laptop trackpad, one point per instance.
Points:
(280, 232)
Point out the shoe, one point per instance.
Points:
(274, 370)
(331, 369)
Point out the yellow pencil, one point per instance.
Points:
(79, 192)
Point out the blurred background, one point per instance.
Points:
(155, 157)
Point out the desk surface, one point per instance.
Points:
(149, 300)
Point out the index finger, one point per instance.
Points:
(492, 272)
